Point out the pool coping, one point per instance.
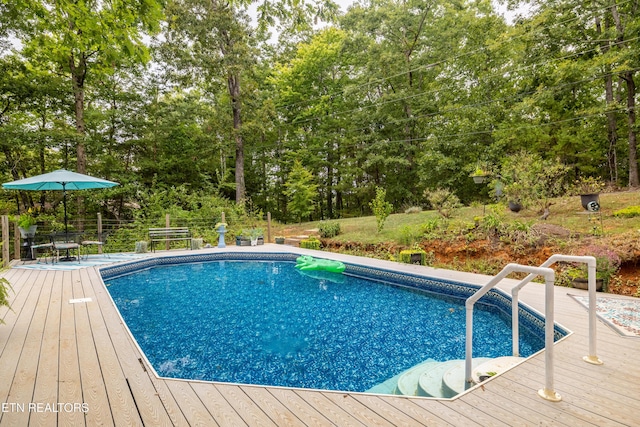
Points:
(447, 279)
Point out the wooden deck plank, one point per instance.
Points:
(224, 414)
(121, 402)
(515, 414)
(524, 393)
(448, 412)
(46, 386)
(305, 412)
(19, 361)
(195, 411)
(622, 389)
(588, 401)
(69, 382)
(94, 391)
(424, 415)
(176, 416)
(400, 411)
(329, 409)
(357, 409)
(280, 414)
(244, 406)
(150, 407)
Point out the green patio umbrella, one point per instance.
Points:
(59, 180)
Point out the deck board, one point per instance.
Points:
(55, 352)
(94, 391)
(46, 384)
(218, 406)
(69, 380)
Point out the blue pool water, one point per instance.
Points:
(264, 322)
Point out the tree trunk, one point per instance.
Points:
(631, 115)
(233, 82)
(78, 74)
(612, 125)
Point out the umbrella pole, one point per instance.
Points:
(64, 203)
(66, 229)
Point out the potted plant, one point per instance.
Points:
(607, 265)
(250, 237)
(413, 256)
(280, 240)
(515, 195)
(27, 225)
(480, 174)
(589, 189)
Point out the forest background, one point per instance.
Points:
(188, 100)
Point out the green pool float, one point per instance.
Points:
(309, 263)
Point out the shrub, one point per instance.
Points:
(444, 201)
(407, 255)
(607, 261)
(380, 207)
(587, 185)
(408, 235)
(5, 286)
(413, 210)
(630, 212)
(329, 229)
(310, 243)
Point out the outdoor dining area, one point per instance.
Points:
(63, 245)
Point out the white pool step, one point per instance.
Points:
(453, 381)
(408, 380)
(494, 367)
(430, 382)
(447, 379)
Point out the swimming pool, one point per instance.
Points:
(252, 318)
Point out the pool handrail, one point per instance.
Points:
(547, 392)
(591, 280)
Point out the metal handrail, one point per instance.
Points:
(547, 392)
(591, 278)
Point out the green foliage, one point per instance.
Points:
(444, 201)
(329, 229)
(380, 207)
(413, 210)
(408, 235)
(406, 256)
(310, 243)
(587, 185)
(26, 220)
(5, 286)
(531, 180)
(630, 212)
(301, 191)
(607, 262)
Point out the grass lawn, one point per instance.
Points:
(463, 242)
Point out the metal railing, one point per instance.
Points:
(591, 280)
(549, 275)
(548, 391)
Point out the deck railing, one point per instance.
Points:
(548, 391)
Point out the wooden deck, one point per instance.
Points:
(75, 364)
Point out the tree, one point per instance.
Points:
(308, 95)
(301, 191)
(84, 37)
(380, 207)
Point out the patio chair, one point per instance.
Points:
(44, 244)
(99, 241)
(66, 242)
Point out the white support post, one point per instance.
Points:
(547, 392)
